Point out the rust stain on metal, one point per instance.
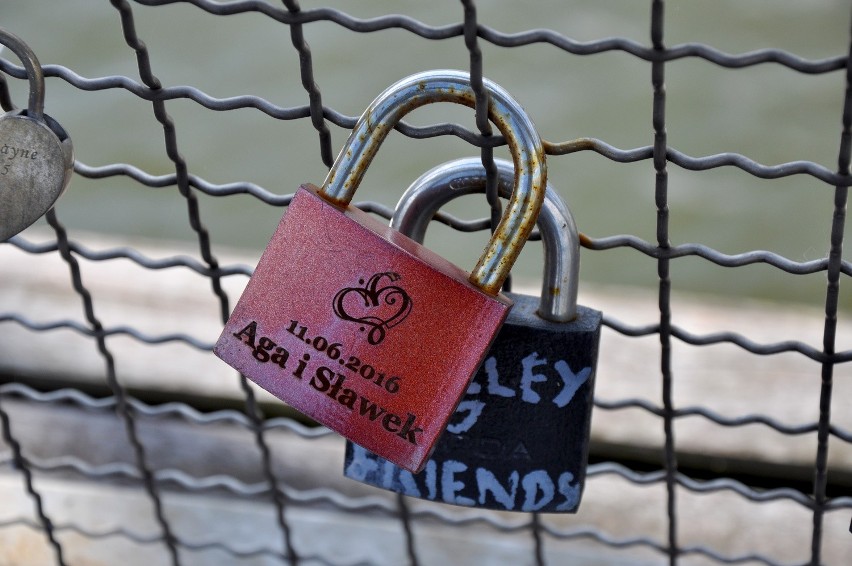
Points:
(508, 117)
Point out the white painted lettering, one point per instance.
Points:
(571, 382)
(528, 377)
(533, 482)
(487, 482)
(362, 466)
(473, 410)
(494, 386)
(571, 493)
(449, 485)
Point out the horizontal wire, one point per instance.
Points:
(194, 416)
(230, 416)
(599, 244)
(91, 534)
(112, 331)
(607, 243)
(179, 478)
(196, 546)
(240, 102)
(350, 504)
(707, 486)
(306, 497)
(760, 349)
(348, 122)
(726, 337)
(763, 496)
(598, 536)
(601, 537)
(261, 194)
(170, 180)
(710, 54)
(191, 483)
(708, 253)
(704, 163)
(838, 502)
(734, 338)
(741, 559)
(744, 420)
(125, 252)
(170, 409)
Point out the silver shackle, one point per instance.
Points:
(530, 171)
(453, 179)
(35, 107)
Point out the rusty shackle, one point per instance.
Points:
(530, 169)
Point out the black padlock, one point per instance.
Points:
(519, 438)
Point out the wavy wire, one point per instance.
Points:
(294, 17)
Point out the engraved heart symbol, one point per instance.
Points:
(377, 307)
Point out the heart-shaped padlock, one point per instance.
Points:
(36, 155)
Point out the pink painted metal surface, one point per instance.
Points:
(361, 328)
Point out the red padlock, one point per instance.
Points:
(360, 327)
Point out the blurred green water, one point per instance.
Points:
(768, 113)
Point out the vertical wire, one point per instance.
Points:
(122, 406)
(307, 73)
(538, 539)
(405, 519)
(183, 184)
(306, 70)
(661, 197)
(279, 499)
(483, 101)
(835, 260)
(20, 462)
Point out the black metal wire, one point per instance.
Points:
(482, 105)
(681, 159)
(122, 407)
(538, 540)
(660, 155)
(408, 531)
(832, 294)
(183, 184)
(306, 66)
(21, 463)
(665, 285)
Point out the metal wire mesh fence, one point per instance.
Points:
(147, 465)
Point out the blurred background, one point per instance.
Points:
(769, 113)
(749, 404)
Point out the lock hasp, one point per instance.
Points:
(376, 337)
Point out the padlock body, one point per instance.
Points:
(361, 328)
(519, 439)
(35, 168)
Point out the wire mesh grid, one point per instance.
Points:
(279, 492)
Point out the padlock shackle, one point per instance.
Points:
(530, 169)
(438, 186)
(35, 108)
